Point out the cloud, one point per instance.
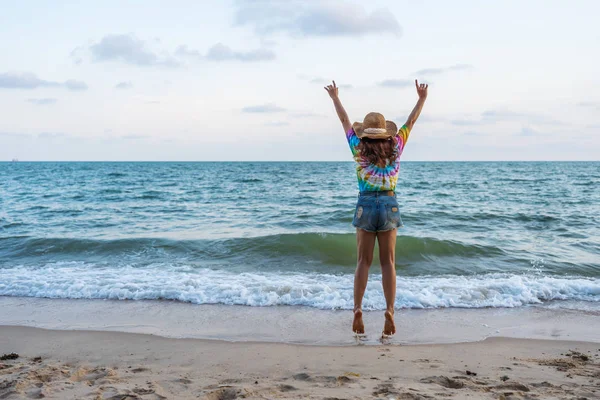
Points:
(396, 83)
(42, 101)
(588, 104)
(493, 116)
(24, 80)
(28, 80)
(467, 122)
(299, 18)
(307, 115)
(264, 108)
(221, 52)
(183, 50)
(322, 81)
(147, 99)
(51, 135)
(12, 134)
(72, 84)
(438, 71)
(507, 115)
(124, 85)
(134, 137)
(429, 118)
(266, 42)
(77, 54)
(129, 49)
(502, 114)
(277, 123)
(526, 131)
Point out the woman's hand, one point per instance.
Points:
(332, 90)
(421, 89)
(422, 92)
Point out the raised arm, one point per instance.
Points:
(332, 90)
(422, 92)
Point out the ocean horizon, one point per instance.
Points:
(292, 161)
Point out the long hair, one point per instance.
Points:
(380, 152)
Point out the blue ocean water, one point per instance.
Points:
(477, 234)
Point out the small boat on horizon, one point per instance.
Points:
(15, 160)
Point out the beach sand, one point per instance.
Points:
(302, 325)
(114, 365)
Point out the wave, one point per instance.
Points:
(249, 180)
(76, 280)
(330, 248)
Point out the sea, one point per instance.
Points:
(276, 234)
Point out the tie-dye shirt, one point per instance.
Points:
(373, 177)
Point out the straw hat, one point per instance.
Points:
(374, 126)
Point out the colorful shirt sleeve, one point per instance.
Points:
(353, 141)
(403, 134)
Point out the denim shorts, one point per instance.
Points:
(376, 212)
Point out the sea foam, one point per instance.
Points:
(78, 280)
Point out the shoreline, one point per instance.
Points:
(114, 365)
(301, 325)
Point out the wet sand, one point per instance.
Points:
(302, 325)
(112, 365)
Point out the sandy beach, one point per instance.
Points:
(54, 364)
(300, 199)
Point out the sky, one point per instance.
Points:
(243, 80)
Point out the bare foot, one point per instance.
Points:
(389, 328)
(357, 325)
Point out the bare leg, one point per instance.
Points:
(365, 243)
(387, 257)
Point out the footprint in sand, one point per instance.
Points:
(388, 389)
(112, 393)
(35, 393)
(223, 394)
(84, 374)
(327, 380)
(334, 381)
(154, 396)
(7, 387)
(302, 376)
(142, 391)
(512, 386)
(444, 381)
(344, 379)
(230, 381)
(286, 388)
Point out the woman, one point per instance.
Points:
(376, 145)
